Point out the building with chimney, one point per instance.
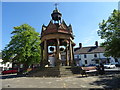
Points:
(91, 55)
(5, 66)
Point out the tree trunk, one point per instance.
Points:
(25, 67)
(19, 69)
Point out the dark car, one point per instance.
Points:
(117, 65)
(10, 71)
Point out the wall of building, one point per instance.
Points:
(119, 60)
(5, 66)
(89, 58)
(51, 60)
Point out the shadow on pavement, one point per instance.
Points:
(108, 81)
(11, 76)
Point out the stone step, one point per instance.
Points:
(65, 71)
(48, 71)
(52, 71)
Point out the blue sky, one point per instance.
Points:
(84, 17)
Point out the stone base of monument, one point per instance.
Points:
(45, 72)
(65, 71)
(61, 71)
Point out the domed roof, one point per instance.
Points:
(56, 11)
(56, 15)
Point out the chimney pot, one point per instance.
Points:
(80, 45)
(96, 43)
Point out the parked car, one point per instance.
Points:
(10, 71)
(117, 65)
(109, 66)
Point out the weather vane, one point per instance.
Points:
(56, 4)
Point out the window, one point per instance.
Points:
(95, 55)
(97, 61)
(85, 56)
(85, 61)
(8, 65)
(5, 64)
(116, 60)
(108, 60)
(79, 56)
(75, 56)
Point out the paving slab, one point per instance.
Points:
(75, 81)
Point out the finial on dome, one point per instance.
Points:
(56, 15)
(56, 4)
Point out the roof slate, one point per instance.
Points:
(88, 50)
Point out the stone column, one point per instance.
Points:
(73, 56)
(57, 52)
(67, 60)
(70, 53)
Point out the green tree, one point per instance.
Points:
(110, 32)
(24, 47)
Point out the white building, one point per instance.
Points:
(92, 55)
(5, 66)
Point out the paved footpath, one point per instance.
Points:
(76, 81)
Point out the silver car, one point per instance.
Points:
(109, 66)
